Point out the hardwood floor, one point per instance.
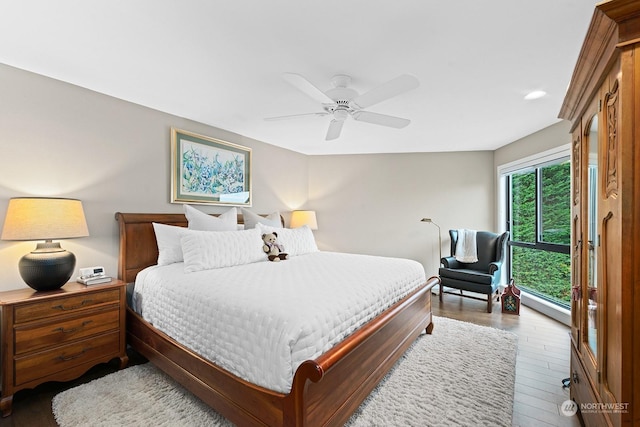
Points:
(542, 363)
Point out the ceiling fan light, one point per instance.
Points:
(340, 114)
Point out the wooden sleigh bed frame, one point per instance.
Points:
(325, 391)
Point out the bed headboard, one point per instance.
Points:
(138, 247)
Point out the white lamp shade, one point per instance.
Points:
(40, 218)
(301, 218)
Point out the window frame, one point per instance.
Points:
(553, 155)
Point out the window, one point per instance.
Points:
(539, 219)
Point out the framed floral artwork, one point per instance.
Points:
(209, 171)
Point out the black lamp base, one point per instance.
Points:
(48, 267)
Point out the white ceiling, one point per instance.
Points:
(220, 62)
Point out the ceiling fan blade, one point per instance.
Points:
(295, 116)
(380, 119)
(307, 87)
(385, 91)
(335, 127)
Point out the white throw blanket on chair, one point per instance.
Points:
(466, 249)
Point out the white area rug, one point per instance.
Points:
(461, 375)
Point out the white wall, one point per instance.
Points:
(373, 203)
(65, 141)
(545, 139)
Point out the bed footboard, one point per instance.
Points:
(325, 391)
(358, 364)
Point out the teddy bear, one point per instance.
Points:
(272, 248)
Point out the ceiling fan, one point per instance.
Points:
(341, 101)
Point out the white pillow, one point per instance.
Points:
(205, 250)
(169, 245)
(251, 219)
(198, 220)
(296, 241)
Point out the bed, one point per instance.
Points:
(325, 390)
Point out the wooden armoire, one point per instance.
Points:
(603, 104)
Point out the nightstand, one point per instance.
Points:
(59, 335)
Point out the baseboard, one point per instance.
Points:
(560, 314)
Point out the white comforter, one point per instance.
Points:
(260, 321)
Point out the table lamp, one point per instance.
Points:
(48, 267)
(300, 218)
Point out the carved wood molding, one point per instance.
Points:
(625, 13)
(611, 154)
(577, 162)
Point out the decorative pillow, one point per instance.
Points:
(205, 250)
(169, 246)
(296, 241)
(198, 220)
(251, 219)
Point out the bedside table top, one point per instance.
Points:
(28, 294)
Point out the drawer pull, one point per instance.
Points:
(68, 331)
(64, 358)
(73, 307)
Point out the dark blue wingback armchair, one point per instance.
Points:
(481, 277)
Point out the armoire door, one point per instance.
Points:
(588, 335)
(610, 223)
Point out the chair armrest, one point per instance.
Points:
(494, 266)
(450, 262)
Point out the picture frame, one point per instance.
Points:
(207, 170)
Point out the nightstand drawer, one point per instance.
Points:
(58, 359)
(59, 306)
(35, 337)
(58, 335)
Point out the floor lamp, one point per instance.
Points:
(429, 220)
